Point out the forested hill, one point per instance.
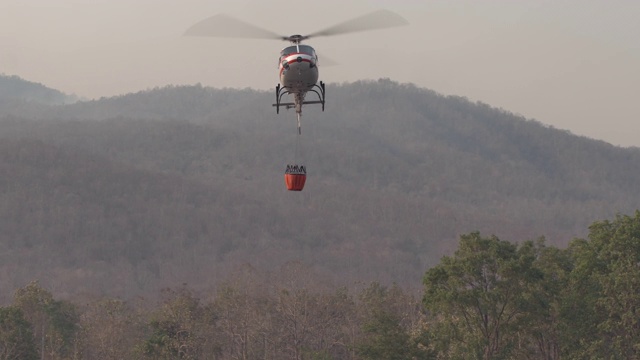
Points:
(181, 184)
(17, 94)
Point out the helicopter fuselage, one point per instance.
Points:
(298, 67)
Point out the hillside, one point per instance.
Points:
(181, 184)
(17, 93)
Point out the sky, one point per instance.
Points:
(570, 64)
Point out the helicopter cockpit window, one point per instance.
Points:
(306, 49)
(288, 50)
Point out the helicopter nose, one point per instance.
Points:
(299, 59)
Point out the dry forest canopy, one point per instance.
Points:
(183, 184)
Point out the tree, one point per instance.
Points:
(279, 316)
(243, 319)
(16, 338)
(602, 313)
(478, 297)
(390, 315)
(181, 329)
(542, 333)
(110, 330)
(308, 318)
(54, 322)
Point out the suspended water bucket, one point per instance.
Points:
(294, 177)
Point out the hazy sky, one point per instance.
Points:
(572, 64)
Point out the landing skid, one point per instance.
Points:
(281, 91)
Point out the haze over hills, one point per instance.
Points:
(124, 195)
(15, 91)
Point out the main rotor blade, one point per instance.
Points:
(380, 19)
(226, 26)
(324, 61)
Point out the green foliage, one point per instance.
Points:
(385, 339)
(494, 299)
(16, 338)
(390, 329)
(605, 291)
(481, 293)
(541, 335)
(54, 322)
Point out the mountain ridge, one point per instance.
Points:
(15, 90)
(395, 174)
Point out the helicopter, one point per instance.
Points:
(298, 63)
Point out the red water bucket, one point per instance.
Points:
(295, 182)
(295, 177)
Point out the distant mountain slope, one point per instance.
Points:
(183, 183)
(14, 89)
(103, 226)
